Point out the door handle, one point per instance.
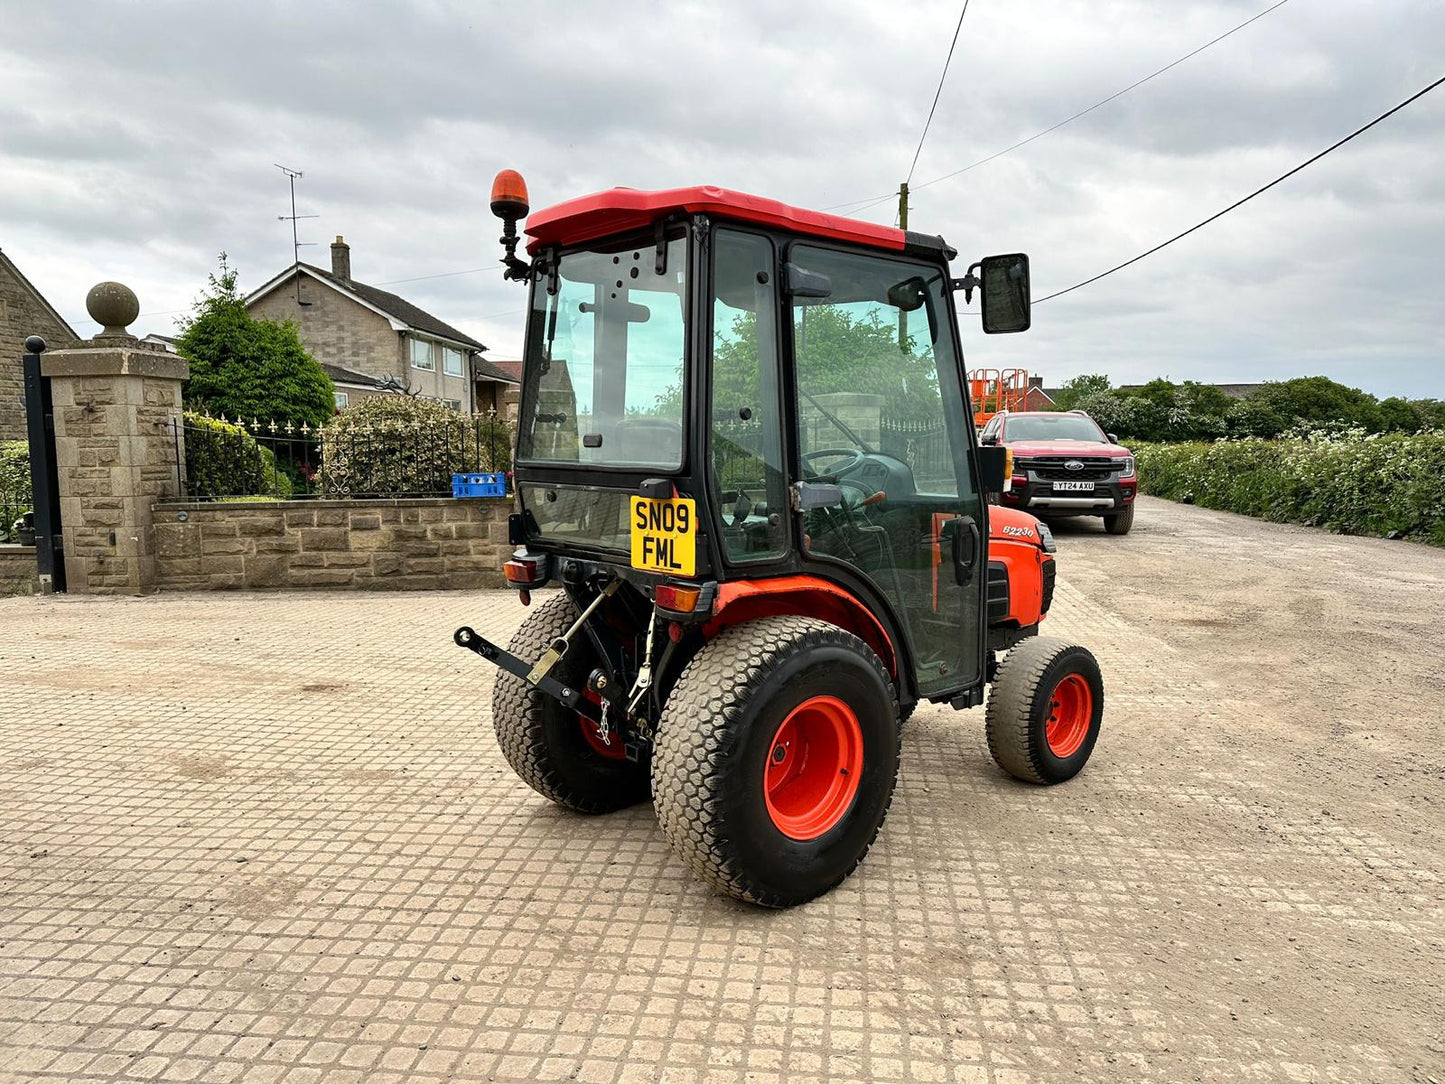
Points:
(967, 543)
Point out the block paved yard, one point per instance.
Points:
(269, 837)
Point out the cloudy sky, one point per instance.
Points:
(138, 140)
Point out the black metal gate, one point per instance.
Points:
(45, 481)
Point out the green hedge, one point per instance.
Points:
(223, 460)
(15, 495)
(1391, 485)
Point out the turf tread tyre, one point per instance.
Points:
(1028, 673)
(697, 748)
(1120, 522)
(529, 725)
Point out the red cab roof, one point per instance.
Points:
(620, 210)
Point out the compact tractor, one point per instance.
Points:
(746, 455)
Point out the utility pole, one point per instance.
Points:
(903, 225)
(296, 242)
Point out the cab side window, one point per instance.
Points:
(746, 457)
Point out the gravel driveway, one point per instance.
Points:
(269, 837)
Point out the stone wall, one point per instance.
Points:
(23, 312)
(398, 544)
(17, 570)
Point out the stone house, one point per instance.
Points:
(364, 335)
(23, 312)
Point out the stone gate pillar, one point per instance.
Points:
(117, 407)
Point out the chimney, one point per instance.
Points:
(341, 259)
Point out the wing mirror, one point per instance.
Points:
(1003, 285)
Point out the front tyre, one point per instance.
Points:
(775, 759)
(552, 748)
(1120, 522)
(1044, 710)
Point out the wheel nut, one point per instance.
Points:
(778, 754)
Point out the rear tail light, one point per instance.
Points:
(527, 570)
(677, 598)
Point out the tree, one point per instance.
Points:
(1401, 415)
(1253, 417)
(1079, 388)
(1321, 401)
(247, 368)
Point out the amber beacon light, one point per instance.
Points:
(509, 203)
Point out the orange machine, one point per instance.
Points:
(993, 390)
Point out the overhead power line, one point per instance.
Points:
(1246, 199)
(443, 275)
(872, 201)
(947, 61)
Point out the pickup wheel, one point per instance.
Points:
(1120, 522)
(1044, 710)
(554, 750)
(775, 759)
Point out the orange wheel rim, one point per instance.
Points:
(814, 768)
(1071, 711)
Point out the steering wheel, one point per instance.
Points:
(854, 458)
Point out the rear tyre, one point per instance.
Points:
(1044, 710)
(775, 759)
(1120, 522)
(547, 744)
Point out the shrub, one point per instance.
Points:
(394, 444)
(1389, 485)
(15, 495)
(223, 460)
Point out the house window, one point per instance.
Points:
(342, 398)
(421, 355)
(455, 404)
(451, 361)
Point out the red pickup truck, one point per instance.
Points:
(1065, 465)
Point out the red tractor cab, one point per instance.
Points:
(746, 455)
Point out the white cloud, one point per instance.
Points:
(137, 141)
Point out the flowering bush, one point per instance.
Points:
(1390, 484)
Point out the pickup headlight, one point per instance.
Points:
(1127, 470)
(1046, 536)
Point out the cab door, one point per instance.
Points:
(877, 409)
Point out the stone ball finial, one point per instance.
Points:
(34, 344)
(113, 306)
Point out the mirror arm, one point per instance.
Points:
(967, 284)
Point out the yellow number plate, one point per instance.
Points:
(664, 535)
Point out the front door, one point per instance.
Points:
(879, 412)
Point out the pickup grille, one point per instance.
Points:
(1052, 469)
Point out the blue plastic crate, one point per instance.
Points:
(479, 485)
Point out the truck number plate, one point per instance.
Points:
(1073, 487)
(664, 535)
